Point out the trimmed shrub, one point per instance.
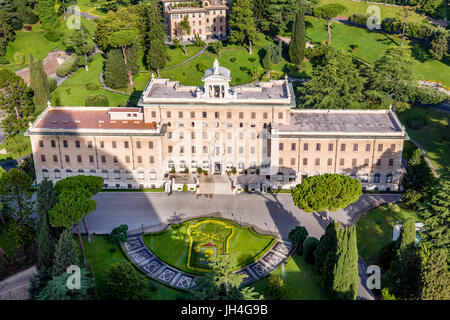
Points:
(3, 60)
(233, 59)
(252, 59)
(430, 96)
(316, 52)
(19, 58)
(309, 246)
(68, 66)
(275, 288)
(52, 84)
(359, 18)
(296, 237)
(185, 188)
(201, 67)
(92, 87)
(97, 99)
(53, 36)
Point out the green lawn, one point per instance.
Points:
(371, 45)
(361, 7)
(430, 137)
(301, 279)
(374, 230)
(73, 91)
(99, 256)
(177, 55)
(172, 245)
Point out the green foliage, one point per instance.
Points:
(38, 282)
(296, 237)
(116, 74)
(309, 247)
(359, 18)
(336, 84)
(201, 66)
(47, 15)
(216, 47)
(386, 255)
(275, 288)
(327, 247)
(329, 192)
(52, 84)
(123, 282)
(53, 36)
(45, 244)
(39, 83)
(267, 61)
(386, 295)
(154, 46)
(276, 16)
(66, 254)
(242, 22)
(119, 234)
(6, 31)
(430, 96)
(435, 276)
(298, 39)
(319, 50)
(68, 66)
(222, 284)
(19, 58)
(97, 99)
(56, 289)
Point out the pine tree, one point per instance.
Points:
(6, 31)
(156, 54)
(297, 45)
(47, 15)
(328, 12)
(435, 276)
(403, 277)
(57, 289)
(45, 245)
(277, 53)
(66, 253)
(336, 84)
(436, 213)
(345, 275)
(125, 40)
(242, 23)
(39, 83)
(278, 15)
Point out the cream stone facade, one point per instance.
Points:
(253, 130)
(207, 18)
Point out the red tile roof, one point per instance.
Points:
(87, 119)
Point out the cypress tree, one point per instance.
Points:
(66, 253)
(266, 61)
(156, 54)
(45, 245)
(115, 70)
(326, 250)
(435, 277)
(47, 14)
(345, 275)
(298, 40)
(39, 83)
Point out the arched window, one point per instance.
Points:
(44, 173)
(364, 177)
(93, 172)
(171, 164)
(152, 174)
(105, 174)
(68, 172)
(205, 164)
(389, 178)
(116, 174)
(194, 164)
(280, 176)
(128, 175)
(57, 173)
(182, 164)
(376, 178)
(141, 175)
(80, 172)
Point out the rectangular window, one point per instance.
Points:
(241, 150)
(241, 115)
(91, 158)
(265, 115)
(293, 146)
(127, 159)
(379, 163)
(252, 150)
(330, 147)
(180, 114)
(43, 157)
(89, 144)
(204, 114)
(368, 147)
(114, 144)
(125, 144)
(192, 114)
(103, 158)
(115, 159)
(181, 149)
(392, 147)
(41, 143)
(342, 146)
(153, 114)
(391, 162)
(354, 161)
(139, 159)
(205, 149)
(152, 159)
(305, 161)
(253, 115)
(169, 149)
(305, 147)
(79, 159)
(317, 146)
(150, 144)
(292, 161)
(317, 161)
(380, 147)
(192, 149)
(281, 146)
(168, 114)
(67, 158)
(53, 143)
(138, 144)
(228, 115)
(342, 161)
(102, 144)
(216, 115)
(366, 162)
(77, 143)
(280, 115)
(65, 145)
(330, 161)
(229, 149)
(355, 147)
(280, 161)
(169, 134)
(55, 158)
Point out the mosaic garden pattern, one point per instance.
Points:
(160, 271)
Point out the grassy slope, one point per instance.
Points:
(172, 246)
(177, 55)
(374, 230)
(372, 45)
(301, 279)
(73, 91)
(100, 258)
(360, 7)
(430, 137)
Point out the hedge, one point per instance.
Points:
(97, 99)
(68, 66)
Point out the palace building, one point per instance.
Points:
(252, 130)
(207, 18)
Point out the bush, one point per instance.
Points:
(185, 187)
(386, 255)
(19, 58)
(275, 288)
(3, 60)
(416, 123)
(430, 96)
(296, 237)
(309, 246)
(92, 87)
(246, 188)
(53, 36)
(233, 59)
(123, 282)
(318, 51)
(385, 295)
(201, 67)
(252, 59)
(359, 18)
(52, 84)
(68, 66)
(199, 170)
(97, 99)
